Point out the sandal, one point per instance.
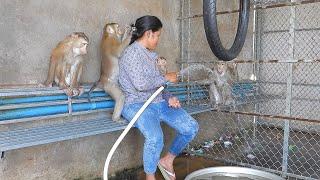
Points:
(165, 173)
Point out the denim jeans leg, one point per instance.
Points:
(186, 127)
(149, 125)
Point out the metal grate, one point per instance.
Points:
(25, 137)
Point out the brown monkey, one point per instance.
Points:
(112, 44)
(221, 88)
(220, 80)
(162, 65)
(66, 63)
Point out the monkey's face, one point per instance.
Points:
(114, 29)
(162, 65)
(80, 46)
(161, 61)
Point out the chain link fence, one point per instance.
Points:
(271, 120)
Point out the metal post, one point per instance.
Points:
(181, 34)
(254, 66)
(289, 92)
(257, 44)
(70, 105)
(188, 51)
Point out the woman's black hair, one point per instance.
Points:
(144, 24)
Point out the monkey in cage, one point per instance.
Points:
(220, 79)
(162, 65)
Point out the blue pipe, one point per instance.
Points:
(196, 93)
(77, 107)
(92, 106)
(48, 98)
(6, 101)
(52, 110)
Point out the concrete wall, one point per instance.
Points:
(29, 30)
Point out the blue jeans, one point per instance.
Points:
(149, 125)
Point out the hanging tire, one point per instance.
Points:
(212, 33)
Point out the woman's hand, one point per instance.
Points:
(174, 102)
(171, 77)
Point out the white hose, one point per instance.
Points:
(126, 130)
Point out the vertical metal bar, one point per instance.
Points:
(254, 66)
(258, 46)
(258, 25)
(181, 33)
(289, 92)
(182, 40)
(70, 105)
(189, 31)
(259, 33)
(287, 123)
(188, 51)
(254, 33)
(182, 58)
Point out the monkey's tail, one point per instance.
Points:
(51, 71)
(93, 87)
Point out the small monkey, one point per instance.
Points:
(221, 86)
(113, 42)
(66, 63)
(162, 65)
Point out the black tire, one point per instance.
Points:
(212, 33)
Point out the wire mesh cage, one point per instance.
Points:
(268, 117)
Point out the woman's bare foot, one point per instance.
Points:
(167, 163)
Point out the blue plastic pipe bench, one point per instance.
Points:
(31, 105)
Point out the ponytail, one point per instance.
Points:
(144, 24)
